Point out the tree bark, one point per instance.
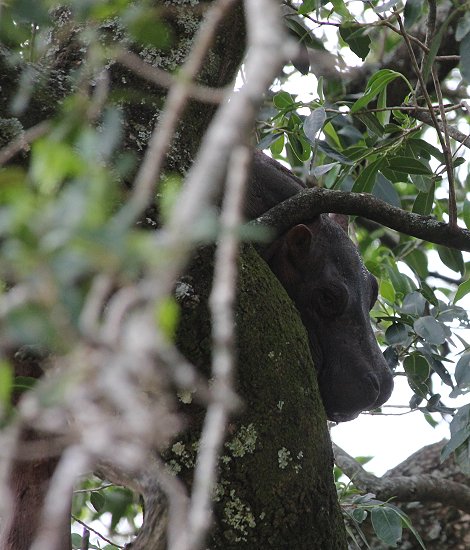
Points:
(275, 488)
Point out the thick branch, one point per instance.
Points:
(309, 203)
(423, 488)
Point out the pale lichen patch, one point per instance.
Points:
(239, 517)
(244, 442)
(283, 458)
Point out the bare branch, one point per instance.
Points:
(423, 488)
(23, 141)
(459, 136)
(223, 333)
(164, 79)
(307, 204)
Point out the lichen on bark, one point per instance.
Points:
(275, 488)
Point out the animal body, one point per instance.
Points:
(323, 273)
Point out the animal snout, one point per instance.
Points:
(371, 386)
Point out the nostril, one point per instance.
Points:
(372, 382)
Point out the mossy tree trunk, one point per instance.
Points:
(275, 488)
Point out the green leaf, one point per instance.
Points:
(408, 165)
(267, 140)
(401, 283)
(430, 329)
(463, 26)
(277, 146)
(307, 6)
(314, 123)
(422, 183)
(428, 148)
(376, 84)
(387, 291)
(396, 334)
(418, 262)
(413, 9)
(168, 316)
(435, 45)
(301, 148)
(6, 382)
(440, 370)
(465, 57)
(462, 372)
(462, 291)
(457, 439)
(407, 523)
(466, 212)
(357, 39)
(52, 162)
(428, 293)
(417, 370)
(424, 202)
(97, 500)
(384, 190)
(451, 258)
(319, 171)
(24, 383)
(372, 123)
(304, 35)
(330, 132)
(387, 525)
(359, 514)
(35, 13)
(367, 178)
(332, 153)
(413, 304)
(283, 100)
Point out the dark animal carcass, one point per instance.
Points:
(323, 273)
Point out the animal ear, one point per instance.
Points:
(298, 241)
(342, 220)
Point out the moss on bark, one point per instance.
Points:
(275, 488)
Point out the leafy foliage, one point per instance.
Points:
(367, 144)
(387, 520)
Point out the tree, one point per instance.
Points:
(90, 296)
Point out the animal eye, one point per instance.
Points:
(330, 301)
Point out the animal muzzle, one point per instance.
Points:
(346, 397)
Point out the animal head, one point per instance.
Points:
(324, 275)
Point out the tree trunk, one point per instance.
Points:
(275, 488)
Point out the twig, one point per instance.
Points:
(459, 136)
(94, 304)
(73, 462)
(97, 533)
(178, 95)
(447, 152)
(164, 79)
(430, 27)
(221, 305)
(448, 157)
(423, 488)
(22, 142)
(85, 539)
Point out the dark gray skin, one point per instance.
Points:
(323, 273)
